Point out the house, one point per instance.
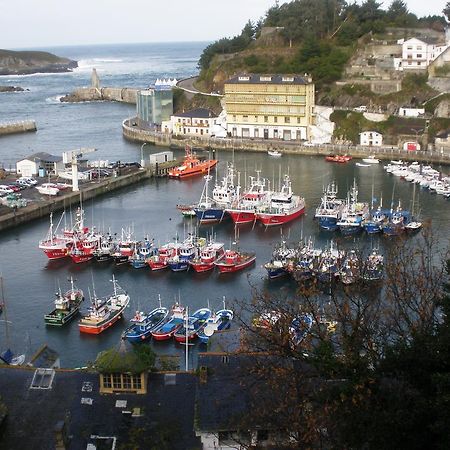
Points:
(371, 138)
(197, 122)
(417, 53)
(442, 139)
(270, 106)
(154, 105)
(48, 164)
(407, 111)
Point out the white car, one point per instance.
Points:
(362, 108)
(4, 190)
(29, 180)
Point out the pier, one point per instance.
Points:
(134, 133)
(22, 126)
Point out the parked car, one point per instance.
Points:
(362, 108)
(14, 187)
(19, 185)
(5, 189)
(23, 183)
(29, 180)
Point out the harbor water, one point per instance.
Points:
(30, 280)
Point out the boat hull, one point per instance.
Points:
(192, 172)
(81, 258)
(270, 220)
(56, 253)
(229, 268)
(210, 215)
(202, 267)
(53, 319)
(102, 326)
(242, 217)
(328, 223)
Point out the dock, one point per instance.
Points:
(22, 126)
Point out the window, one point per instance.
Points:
(256, 118)
(137, 383)
(419, 55)
(409, 47)
(42, 379)
(419, 47)
(287, 79)
(244, 118)
(107, 381)
(262, 78)
(234, 117)
(419, 63)
(117, 382)
(275, 119)
(409, 56)
(287, 120)
(266, 119)
(126, 381)
(244, 78)
(298, 119)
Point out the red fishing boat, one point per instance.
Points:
(104, 313)
(338, 158)
(192, 165)
(161, 259)
(211, 253)
(235, 260)
(56, 246)
(283, 206)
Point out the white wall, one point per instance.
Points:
(27, 168)
(371, 138)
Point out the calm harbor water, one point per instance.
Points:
(30, 280)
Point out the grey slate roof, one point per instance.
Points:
(43, 156)
(275, 79)
(166, 421)
(197, 113)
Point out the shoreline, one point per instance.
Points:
(136, 134)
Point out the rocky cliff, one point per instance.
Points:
(27, 62)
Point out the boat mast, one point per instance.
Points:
(187, 345)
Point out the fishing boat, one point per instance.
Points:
(206, 210)
(350, 271)
(125, 247)
(414, 224)
(373, 267)
(338, 158)
(186, 210)
(191, 166)
(192, 325)
(398, 219)
(353, 213)
(188, 250)
(141, 253)
(371, 160)
(362, 165)
(67, 306)
(160, 261)
(282, 256)
(219, 321)
(307, 261)
(274, 153)
(213, 251)
(283, 206)
(299, 328)
(329, 264)
(54, 245)
(244, 209)
(234, 260)
(376, 218)
(106, 249)
(143, 324)
(330, 209)
(105, 312)
(166, 330)
(83, 247)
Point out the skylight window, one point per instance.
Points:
(43, 379)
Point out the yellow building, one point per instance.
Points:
(270, 106)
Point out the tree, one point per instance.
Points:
(373, 368)
(446, 11)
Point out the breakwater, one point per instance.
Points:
(22, 126)
(292, 147)
(89, 94)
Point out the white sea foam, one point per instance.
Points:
(56, 99)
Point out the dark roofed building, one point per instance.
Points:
(29, 166)
(200, 113)
(269, 79)
(196, 122)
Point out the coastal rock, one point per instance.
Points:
(11, 89)
(29, 62)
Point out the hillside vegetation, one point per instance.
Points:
(313, 36)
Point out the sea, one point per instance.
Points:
(30, 280)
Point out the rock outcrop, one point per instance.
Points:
(11, 89)
(28, 62)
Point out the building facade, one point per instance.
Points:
(270, 106)
(418, 54)
(197, 122)
(371, 138)
(50, 164)
(154, 105)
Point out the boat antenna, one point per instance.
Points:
(159, 299)
(223, 301)
(93, 286)
(187, 344)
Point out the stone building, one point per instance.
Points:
(270, 106)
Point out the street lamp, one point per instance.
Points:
(142, 154)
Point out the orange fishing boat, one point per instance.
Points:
(338, 158)
(192, 165)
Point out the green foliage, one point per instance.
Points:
(442, 71)
(138, 359)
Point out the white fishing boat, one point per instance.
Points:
(371, 160)
(274, 153)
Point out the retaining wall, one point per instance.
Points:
(17, 127)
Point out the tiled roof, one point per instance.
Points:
(198, 113)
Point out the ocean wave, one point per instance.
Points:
(56, 99)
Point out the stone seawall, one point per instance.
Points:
(42, 209)
(89, 94)
(17, 127)
(291, 147)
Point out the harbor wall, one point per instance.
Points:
(290, 147)
(41, 209)
(17, 127)
(87, 94)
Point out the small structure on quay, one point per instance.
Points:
(371, 138)
(41, 164)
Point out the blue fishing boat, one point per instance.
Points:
(143, 324)
(219, 321)
(192, 325)
(329, 264)
(330, 209)
(141, 254)
(399, 218)
(299, 328)
(308, 259)
(353, 213)
(282, 256)
(168, 327)
(188, 250)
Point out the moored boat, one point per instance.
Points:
(192, 166)
(56, 246)
(371, 160)
(67, 306)
(105, 312)
(192, 325)
(235, 260)
(166, 330)
(209, 254)
(330, 209)
(219, 321)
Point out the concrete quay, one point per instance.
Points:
(22, 126)
(289, 147)
(89, 94)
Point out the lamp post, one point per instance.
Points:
(142, 154)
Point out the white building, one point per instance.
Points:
(371, 138)
(418, 53)
(406, 111)
(29, 166)
(197, 122)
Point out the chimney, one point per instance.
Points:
(60, 432)
(203, 374)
